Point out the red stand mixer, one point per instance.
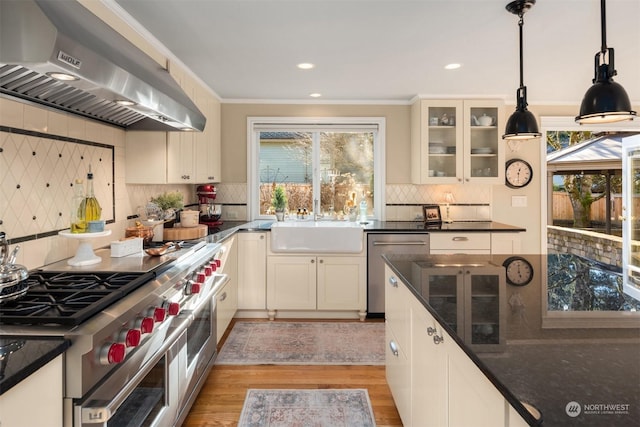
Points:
(209, 212)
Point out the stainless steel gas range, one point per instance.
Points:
(142, 329)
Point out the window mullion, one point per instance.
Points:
(316, 178)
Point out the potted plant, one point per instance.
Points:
(279, 202)
(170, 203)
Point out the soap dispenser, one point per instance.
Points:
(363, 208)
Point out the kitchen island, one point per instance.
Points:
(585, 374)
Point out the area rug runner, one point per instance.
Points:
(304, 343)
(307, 408)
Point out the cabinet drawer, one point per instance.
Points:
(458, 242)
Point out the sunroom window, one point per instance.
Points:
(326, 168)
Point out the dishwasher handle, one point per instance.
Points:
(408, 243)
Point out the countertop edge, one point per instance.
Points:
(389, 226)
(35, 364)
(511, 398)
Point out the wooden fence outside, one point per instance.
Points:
(562, 209)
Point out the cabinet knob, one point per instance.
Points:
(313, 261)
(393, 281)
(261, 237)
(321, 261)
(394, 348)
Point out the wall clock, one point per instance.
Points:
(519, 271)
(518, 173)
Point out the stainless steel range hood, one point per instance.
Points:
(39, 38)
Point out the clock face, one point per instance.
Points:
(518, 173)
(519, 271)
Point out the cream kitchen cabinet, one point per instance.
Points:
(446, 243)
(432, 380)
(452, 144)
(471, 300)
(449, 389)
(316, 282)
(398, 344)
(37, 400)
(506, 243)
(177, 157)
(252, 270)
(460, 243)
(194, 157)
(227, 297)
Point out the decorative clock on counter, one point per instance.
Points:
(518, 173)
(519, 271)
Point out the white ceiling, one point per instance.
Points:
(392, 50)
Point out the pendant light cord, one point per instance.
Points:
(521, 24)
(603, 26)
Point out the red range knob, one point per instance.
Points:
(145, 324)
(173, 308)
(112, 353)
(218, 263)
(200, 277)
(130, 337)
(192, 288)
(208, 271)
(159, 314)
(213, 265)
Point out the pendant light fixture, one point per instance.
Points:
(522, 124)
(606, 101)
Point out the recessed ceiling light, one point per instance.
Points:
(453, 66)
(306, 66)
(62, 76)
(315, 95)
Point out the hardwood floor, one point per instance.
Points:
(221, 399)
(222, 396)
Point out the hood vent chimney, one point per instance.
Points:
(108, 78)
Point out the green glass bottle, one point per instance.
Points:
(93, 211)
(78, 221)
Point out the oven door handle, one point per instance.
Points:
(100, 414)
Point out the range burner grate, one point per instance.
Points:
(67, 298)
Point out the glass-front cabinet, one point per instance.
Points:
(471, 300)
(631, 216)
(456, 141)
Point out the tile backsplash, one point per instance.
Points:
(41, 153)
(403, 201)
(38, 172)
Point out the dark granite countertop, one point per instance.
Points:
(22, 356)
(457, 226)
(229, 227)
(552, 343)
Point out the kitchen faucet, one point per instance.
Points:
(316, 210)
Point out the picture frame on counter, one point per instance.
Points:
(431, 214)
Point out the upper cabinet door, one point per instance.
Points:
(436, 141)
(456, 141)
(178, 157)
(484, 148)
(207, 142)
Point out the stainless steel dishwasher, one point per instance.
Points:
(378, 244)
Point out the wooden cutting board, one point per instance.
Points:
(184, 233)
